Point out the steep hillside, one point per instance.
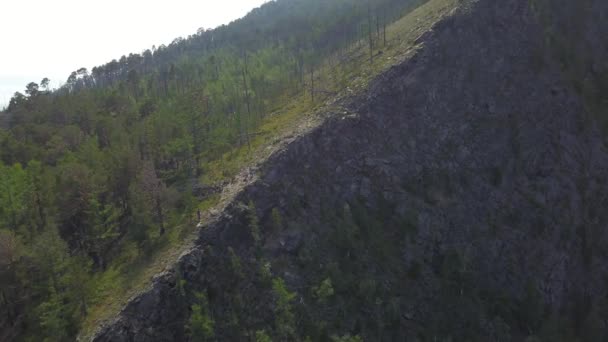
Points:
(462, 197)
(103, 181)
(284, 128)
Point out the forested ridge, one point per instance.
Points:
(99, 174)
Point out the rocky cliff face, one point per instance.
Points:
(463, 197)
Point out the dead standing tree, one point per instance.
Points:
(155, 192)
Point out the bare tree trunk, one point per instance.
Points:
(312, 83)
(244, 72)
(377, 26)
(369, 29)
(384, 29)
(159, 208)
(159, 214)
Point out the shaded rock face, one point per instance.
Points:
(488, 152)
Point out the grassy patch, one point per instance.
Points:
(343, 74)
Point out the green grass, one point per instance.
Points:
(344, 74)
(269, 133)
(353, 71)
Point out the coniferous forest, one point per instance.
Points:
(97, 175)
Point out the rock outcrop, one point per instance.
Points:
(479, 147)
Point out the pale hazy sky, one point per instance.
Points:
(52, 38)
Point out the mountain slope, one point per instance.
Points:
(102, 179)
(402, 39)
(461, 198)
